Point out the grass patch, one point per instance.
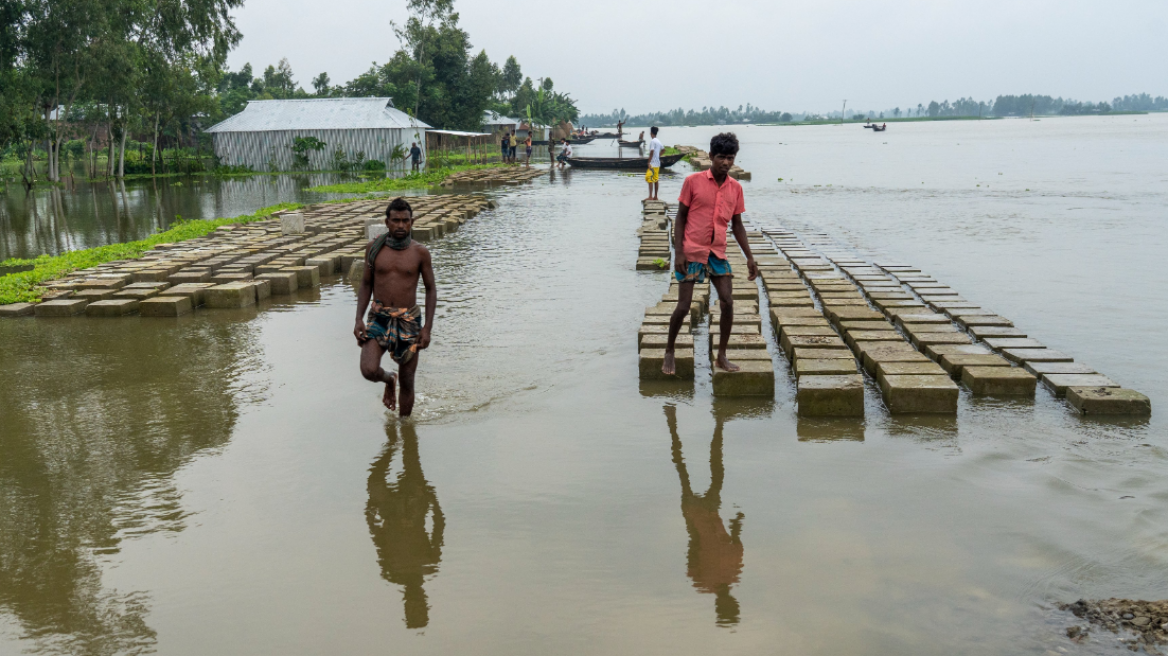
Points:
(431, 178)
(22, 287)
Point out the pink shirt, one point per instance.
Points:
(710, 210)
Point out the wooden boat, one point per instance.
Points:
(606, 135)
(877, 128)
(630, 144)
(636, 163)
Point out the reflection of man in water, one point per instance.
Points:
(714, 559)
(397, 512)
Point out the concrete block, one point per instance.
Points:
(64, 307)
(92, 295)
(166, 306)
(824, 367)
(136, 294)
(754, 378)
(194, 291)
(999, 343)
(807, 342)
(651, 360)
(837, 314)
(928, 328)
(853, 336)
(1022, 356)
(985, 332)
(779, 321)
(263, 289)
(738, 341)
(186, 276)
(936, 351)
(291, 223)
(1108, 401)
(324, 264)
(794, 312)
(13, 310)
(661, 340)
(922, 318)
(882, 326)
(925, 368)
(783, 303)
(953, 363)
(972, 320)
(734, 355)
(1058, 383)
(821, 354)
(919, 394)
(998, 381)
(831, 396)
(118, 307)
(1040, 368)
(306, 276)
(356, 271)
(923, 340)
(283, 283)
(231, 295)
(221, 278)
(872, 359)
(800, 330)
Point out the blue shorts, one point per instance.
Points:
(697, 271)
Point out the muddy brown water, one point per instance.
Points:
(228, 483)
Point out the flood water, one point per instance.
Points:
(228, 483)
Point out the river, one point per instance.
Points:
(228, 483)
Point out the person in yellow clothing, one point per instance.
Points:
(514, 147)
(653, 175)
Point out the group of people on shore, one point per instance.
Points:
(509, 147)
(710, 205)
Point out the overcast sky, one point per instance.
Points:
(646, 55)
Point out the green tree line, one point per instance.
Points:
(76, 73)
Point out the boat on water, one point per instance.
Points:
(637, 163)
(630, 144)
(877, 128)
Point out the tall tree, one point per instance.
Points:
(419, 30)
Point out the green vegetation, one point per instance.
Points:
(22, 287)
(428, 178)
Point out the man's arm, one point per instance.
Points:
(679, 264)
(431, 297)
(364, 292)
(740, 237)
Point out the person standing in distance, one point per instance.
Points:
(415, 155)
(653, 175)
(710, 202)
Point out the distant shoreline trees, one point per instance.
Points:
(1002, 106)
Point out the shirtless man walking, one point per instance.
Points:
(393, 263)
(710, 201)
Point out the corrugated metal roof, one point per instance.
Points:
(460, 133)
(318, 114)
(494, 118)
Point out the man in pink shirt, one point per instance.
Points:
(709, 202)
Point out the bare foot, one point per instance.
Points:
(668, 367)
(390, 396)
(726, 365)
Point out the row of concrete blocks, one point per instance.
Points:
(654, 251)
(826, 385)
(999, 340)
(163, 300)
(909, 383)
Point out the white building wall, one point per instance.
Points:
(273, 148)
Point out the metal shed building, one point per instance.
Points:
(261, 136)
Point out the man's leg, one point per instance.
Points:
(726, 304)
(684, 299)
(371, 353)
(406, 373)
